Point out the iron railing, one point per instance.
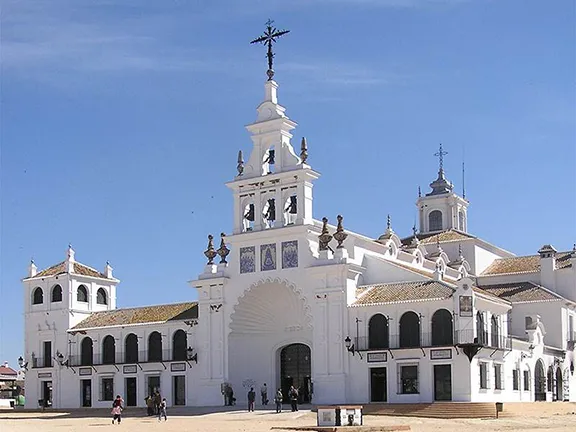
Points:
(151, 356)
(42, 362)
(429, 340)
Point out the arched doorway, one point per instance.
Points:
(539, 382)
(559, 385)
(296, 370)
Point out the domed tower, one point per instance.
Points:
(442, 209)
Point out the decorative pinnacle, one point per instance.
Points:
(223, 251)
(414, 230)
(441, 153)
(210, 253)
(419, 192)
(240, 166)
(325, 237)
(270, 36)
(388, 223)
(340, 235)
(303, 150)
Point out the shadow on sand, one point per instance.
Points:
(138, 412)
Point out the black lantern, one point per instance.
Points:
(191, 356)
(20, 361)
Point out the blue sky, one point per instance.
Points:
(121, 121)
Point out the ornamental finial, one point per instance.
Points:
(388, 223)
(325, 237)
(223, 251)
(340, 235)
(270, 36)
(303, 150)
(210, 253)
(240, 166)
(441, 153)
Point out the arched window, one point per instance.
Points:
(494, 331)
(56, 294)
(38, 296)
(86, 352)
(409, 330)
(131, 348)
(481, 329)
(378, 332)
(559, 385)
(248, 217)
(461, 221)
(269, 161)
(109, 350)
(82, 294)
(435, 220)
(179, 346)
(155, 347)
(101, 297)
(442, 328)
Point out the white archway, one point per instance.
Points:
(272, 313)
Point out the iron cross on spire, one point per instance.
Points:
(270, 35)
(441, 153)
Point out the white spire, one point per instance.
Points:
(70, 260)
(32, 269)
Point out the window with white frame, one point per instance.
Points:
(484, 379)
(107, 389)
(408, 379)
(526, 380)
(516, 379)
(498, 376)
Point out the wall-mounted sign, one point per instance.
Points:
(85, 371)
(377, 356)
(441, 354)
(465, 306)
(178, 367)
(129, 369)
(45, 375)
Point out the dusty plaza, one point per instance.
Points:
(557, 416)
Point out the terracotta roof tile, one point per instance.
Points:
(140, 315)
(521, 292)
(524, 264)
(79, 268)
(441, 237)
(7, 370)
(404, 292)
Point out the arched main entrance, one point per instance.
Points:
(296, 370)
(539, 382)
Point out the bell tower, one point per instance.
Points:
(274, 187)
(442, 209)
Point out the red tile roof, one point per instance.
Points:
(79, 268)
(7, 371)
(140, 315)
(524, 264)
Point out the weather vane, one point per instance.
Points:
(441, 153)
(270, 35)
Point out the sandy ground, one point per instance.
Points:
(553, 417)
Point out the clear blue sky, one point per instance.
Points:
(121, 121)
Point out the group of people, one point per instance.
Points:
(156, 405)
(278, 398)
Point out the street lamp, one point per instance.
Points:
(191, 356)
(350, 346)
(20, 361)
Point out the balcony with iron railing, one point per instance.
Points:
(116, 358)
(42, 362)
(431, 340)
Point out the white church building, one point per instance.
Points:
(286, 299)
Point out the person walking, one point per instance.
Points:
(117, 407)
(264, 394)
(162, 410)
(251, 399)
(293, 395)
(278, 400)
(157, 402)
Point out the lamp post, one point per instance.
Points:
(191, 356)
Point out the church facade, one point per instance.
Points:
(289, 300)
